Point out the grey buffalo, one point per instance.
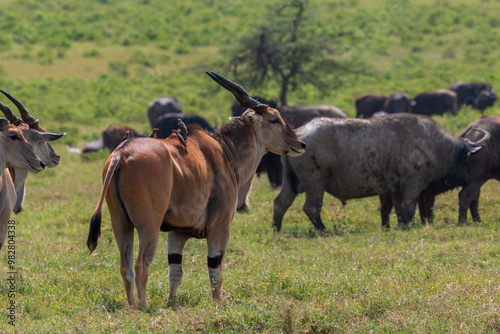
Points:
(296, 116)
(398, 154)
(483, 166)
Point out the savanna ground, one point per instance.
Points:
(80, 66)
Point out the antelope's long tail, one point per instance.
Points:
(95, 221)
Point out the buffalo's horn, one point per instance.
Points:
(27, 118)
(13, 119)
(481, 142)
(239, 93)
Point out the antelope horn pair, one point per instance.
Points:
(13, 119)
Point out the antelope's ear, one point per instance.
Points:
(48, 136)
(251, 117)
(260, 109)
(3, 123)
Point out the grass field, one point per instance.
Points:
(80, 66)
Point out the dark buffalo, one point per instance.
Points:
(161, 106)
(398, 154)
(398, 103)
(436, 102)
(478, 95)
(369, 104)
(168, 122)
(483, 166)
(111, 138)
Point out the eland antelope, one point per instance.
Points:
(15, 152)
(154, 185)
(38, 137)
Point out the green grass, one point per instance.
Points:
(80, 66)
(439, 278)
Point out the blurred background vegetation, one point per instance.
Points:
(80, 66)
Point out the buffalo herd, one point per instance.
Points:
(409, 166)
(476, 95)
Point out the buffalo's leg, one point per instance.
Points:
(312, 208)
(474, 209)
(385, 209)
(405, 207)
(282, 202)
(148, 239)
(217, 246)
(275, 170)
(426, 207)
(176, 244)
(466, 197)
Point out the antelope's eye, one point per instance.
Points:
(274, 121)
(14, 137)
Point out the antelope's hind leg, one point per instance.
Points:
(176, 244)
(148, 239)
(124, 236)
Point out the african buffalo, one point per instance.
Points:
(168, 122)
(161, 106)
(397, 103)
(482, 166)
(110, 138)
(436, 102)
(398, 154)
(478, 95)
(296, 116)
(369, 104)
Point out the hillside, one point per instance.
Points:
(100, 62)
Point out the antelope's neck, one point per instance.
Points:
(244, 151)
(3, 163)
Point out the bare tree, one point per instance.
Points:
(282, 50)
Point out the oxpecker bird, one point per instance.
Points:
(126, 136)
(182, 127)
(153, 133)
(179, 135)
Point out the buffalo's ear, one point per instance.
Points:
(475, 149)
(251, 118)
